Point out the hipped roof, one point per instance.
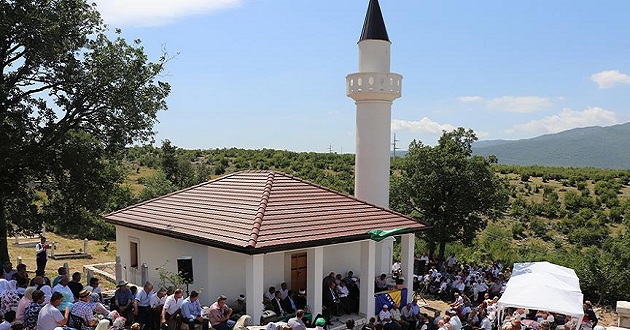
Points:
(261, 211)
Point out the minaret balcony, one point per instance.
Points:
(363, 86)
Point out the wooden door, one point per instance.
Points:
(298, 271)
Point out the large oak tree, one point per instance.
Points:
(449, 188)
(71, 98)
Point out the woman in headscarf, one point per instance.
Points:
(3, 286)
(243, 322)
(10, 299)
(26, 299)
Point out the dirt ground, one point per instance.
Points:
(63, 245)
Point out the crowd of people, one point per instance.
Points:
(472, 292)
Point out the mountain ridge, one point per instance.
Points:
(594, 146)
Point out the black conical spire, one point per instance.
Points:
(374, 25)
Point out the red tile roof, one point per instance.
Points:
(261, 211)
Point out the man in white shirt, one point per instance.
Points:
(63, 286)
(455, 322)
(41, 254)
(172, 308)
(50, 317)
(485, 324)
(142, 305)
(386, 318)
(157, 303)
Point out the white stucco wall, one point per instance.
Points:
(275, 270)
(342, 257)
(226, 274)
(155, 251)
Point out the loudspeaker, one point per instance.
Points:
(185, 269)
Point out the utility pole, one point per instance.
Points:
(394, 147)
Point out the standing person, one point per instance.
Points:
(41, 254)
(50, 317)
(191, 311)
(219, 315)
(142, 305)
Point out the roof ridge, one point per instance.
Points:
(386, 209)
(253, 237)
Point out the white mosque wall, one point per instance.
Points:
(275, 270)
(226, 274)
(160, 251)
(340, 258)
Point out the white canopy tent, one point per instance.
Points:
(543, 286)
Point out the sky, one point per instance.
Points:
(271, 73)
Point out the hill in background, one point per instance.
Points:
(600, 147)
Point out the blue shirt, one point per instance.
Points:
(191, 309)
(143, 298)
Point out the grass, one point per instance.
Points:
(64, 245)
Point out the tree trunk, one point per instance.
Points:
(442, 248)
(4, 248)
(431, 247)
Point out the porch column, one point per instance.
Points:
(368, 275)
(315, 266)
(254, 288)
(407, 255)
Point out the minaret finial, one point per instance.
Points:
(374, 25)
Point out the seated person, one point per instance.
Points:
(219, 315)
(9, 317)
(123, 300)
(380, 284)
(268, 297)
(288, 303)
(191, 312)
(300, 300)
(238, 307)
(347, 304)
(296, 322)
(84, 309)
(387, 319)
(277, 305)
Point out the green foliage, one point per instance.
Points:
(156, 185)
(449, 188)
(70, 99)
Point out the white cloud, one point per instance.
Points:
(519, 103)
(522, 104)
(157, 12)
(467, 99)
(568, 119)
(424, 125)
(610, 78)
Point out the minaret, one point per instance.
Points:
(374, 89)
